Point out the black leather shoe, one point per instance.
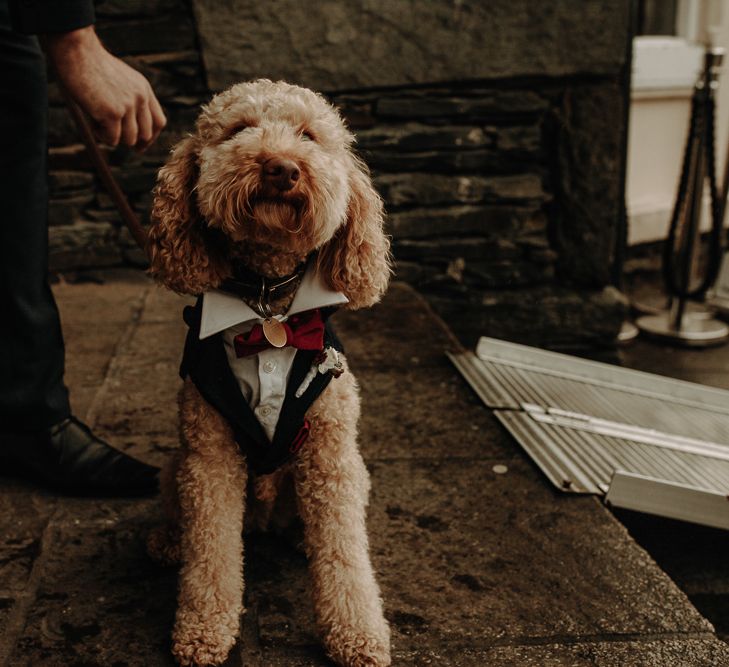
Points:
(70, 458)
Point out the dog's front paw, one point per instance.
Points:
(350, 648)
(197, 641)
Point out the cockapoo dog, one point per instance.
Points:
(265, 214)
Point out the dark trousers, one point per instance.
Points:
(32, 393)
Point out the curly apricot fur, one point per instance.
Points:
(212, 208)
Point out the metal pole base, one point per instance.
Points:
(720, 304)
(697, 330)
(628, 333)
(699, 311)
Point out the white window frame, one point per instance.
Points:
(670, 64)
(665, 66)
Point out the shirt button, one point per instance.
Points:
(269, 367)
(265, 411)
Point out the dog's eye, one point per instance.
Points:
(307, 135)
(232, 131)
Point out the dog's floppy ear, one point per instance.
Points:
(356, 261)
(185, 255)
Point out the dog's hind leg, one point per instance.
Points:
(332, 485)
(211, 482)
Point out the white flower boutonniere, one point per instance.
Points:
(327, 361)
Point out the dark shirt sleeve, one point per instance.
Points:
(33, 17)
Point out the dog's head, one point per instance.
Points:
(269, 165)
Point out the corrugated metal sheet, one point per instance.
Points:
(583, 421)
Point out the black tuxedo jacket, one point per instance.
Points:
(33, 17)
(206, 364)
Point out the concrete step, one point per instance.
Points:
(477, 566)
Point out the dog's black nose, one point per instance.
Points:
(281, 173)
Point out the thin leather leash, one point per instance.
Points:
(130, 218)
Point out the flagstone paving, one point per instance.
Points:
(477, 567)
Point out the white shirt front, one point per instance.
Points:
(262, 377)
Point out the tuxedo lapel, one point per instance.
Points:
(294, 409)
(207, 365)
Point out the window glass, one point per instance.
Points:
(657, 17)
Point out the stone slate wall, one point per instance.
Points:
(355, 44)
(481, 185)
(502, 196)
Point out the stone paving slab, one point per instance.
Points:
(666, 653)
(94, 321)
(706, 653)
(100, 602)
(140, 404)
(507, 557)
(683, 543)
(23, 521)
(507, 561)
(404, 334)
(694, 556)
(397, 416)
(476, 567)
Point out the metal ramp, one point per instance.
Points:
(643, 441)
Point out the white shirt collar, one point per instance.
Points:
(221, 310)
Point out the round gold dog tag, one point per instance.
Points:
(275, 332)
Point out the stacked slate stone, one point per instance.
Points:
(467, 174)
(462, 174)
(502, 197)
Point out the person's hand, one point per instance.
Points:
(117, 97)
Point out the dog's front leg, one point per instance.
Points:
(211, 482)
(332, 485)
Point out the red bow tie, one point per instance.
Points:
(304, 331)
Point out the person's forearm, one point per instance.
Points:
(63, 48)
